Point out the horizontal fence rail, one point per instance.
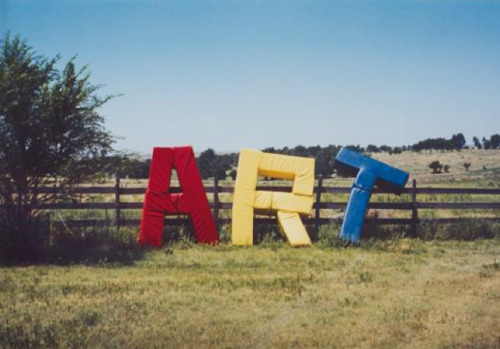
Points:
(317, 218)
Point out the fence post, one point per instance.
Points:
(216, 201)
(117, 202)
(317, 210)
(414, 208)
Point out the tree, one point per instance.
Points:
(385, 148)
(395, 150)
(466, 166)
(477, 143)
(50, 132)
(458, 141)
(442, 144)
(125, 165)
(207, 163)
(486, 143)
(300, 150)
(213, 165)
(455, 142)
(324, 162)
(495, 141)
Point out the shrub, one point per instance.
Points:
(436, 166)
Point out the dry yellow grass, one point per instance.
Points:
(417, 165)
(398, 294)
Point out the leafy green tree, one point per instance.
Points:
(458, 141)
(300, 150)
(125, 165)
(371, 148)
(495, 141)
(271, 150)
(442, 144)
(212, 165)
(207, 163)
(395, 150)
(50, 132)
(324, 163)
(386, 149)
(486, 143)
(477, 143)
(455, 142)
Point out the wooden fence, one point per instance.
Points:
(412, 205)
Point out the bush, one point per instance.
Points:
(467, 230)
(436, 166)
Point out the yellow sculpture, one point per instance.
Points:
(253, 163)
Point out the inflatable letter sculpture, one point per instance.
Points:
(368, 172)
(159, 201)
(253, 163)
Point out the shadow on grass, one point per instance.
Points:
(59, 255)
(109, 247)
(87, 246)
(101, 255)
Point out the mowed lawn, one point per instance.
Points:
(397, 294)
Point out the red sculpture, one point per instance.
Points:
(192, 200)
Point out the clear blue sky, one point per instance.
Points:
(233, 74)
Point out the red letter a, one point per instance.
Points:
(158, 201)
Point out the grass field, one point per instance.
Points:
(392, 294)
(484, 170)
(389, 293)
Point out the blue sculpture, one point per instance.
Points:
(370, 172)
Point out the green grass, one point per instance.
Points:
(398, 293)
(98, 289)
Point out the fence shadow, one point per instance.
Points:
(97, 245)
(101, 256)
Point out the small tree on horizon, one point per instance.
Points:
(477, 143)
(458, 141)
(213, 165)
